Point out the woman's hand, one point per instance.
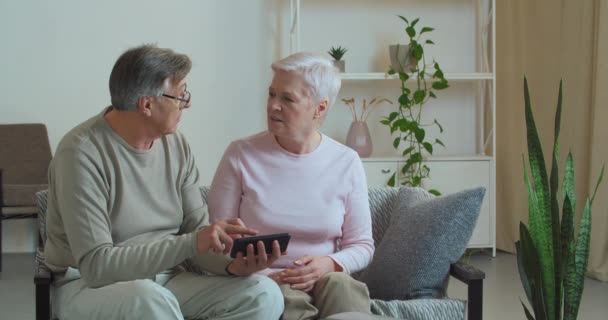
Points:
(246, 265)
(308, 270)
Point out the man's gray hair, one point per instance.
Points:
(142, 71)
(318, 72)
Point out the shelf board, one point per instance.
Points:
(469, 157)
(449, 76)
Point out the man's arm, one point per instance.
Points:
(82, 195)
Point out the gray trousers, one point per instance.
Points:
(179, 296)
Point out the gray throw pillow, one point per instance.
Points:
(426, 235)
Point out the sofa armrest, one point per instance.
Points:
(473, 277)
(42, 280)
(466, 272)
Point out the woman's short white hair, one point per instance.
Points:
(318, 72)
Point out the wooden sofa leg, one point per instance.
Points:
(43, 305)
(475, 300)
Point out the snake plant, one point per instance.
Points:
(551, 262)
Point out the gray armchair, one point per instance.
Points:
(25, 155)
(381, 203)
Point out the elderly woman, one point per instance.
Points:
(293, 178)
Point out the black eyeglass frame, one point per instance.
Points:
(187, 93)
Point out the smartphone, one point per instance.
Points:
(240, 244)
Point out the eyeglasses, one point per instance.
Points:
(185, 99)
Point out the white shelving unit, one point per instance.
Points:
(466, 29)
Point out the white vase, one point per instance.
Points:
(359, 139)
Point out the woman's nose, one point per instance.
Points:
(273, 106)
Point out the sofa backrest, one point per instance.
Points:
(381, 202)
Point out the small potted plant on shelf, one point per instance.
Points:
(358, 137)
(409, 62)
(337, 53)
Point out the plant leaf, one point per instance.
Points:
(419, 134)
(416, 158)
(408, 150)
(404, 19)
(435, 192)
(597, 184)
(541, 231)
(430, 41)
(439, 142)
(393, 115)
(426, 29)
(419, 96)
(439, 85)
(521, 267)
(403, 76)
(440, 129)
(410, 31)
(553, 184)
(404, 100)
(428, 147)
(391, 181)
(417, 52)
(432, 94)
(530, 261)
(567, 242)
(576, 278)
(396, 142)
(528, 314)
(415, 21)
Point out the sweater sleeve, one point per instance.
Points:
(196, 216)
(357, 246)
(226, 188)
(82, 196)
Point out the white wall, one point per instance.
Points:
(56, 57)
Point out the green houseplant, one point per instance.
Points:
(406, 123)
(551, 262)
(337, 53)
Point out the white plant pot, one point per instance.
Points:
(339, 64)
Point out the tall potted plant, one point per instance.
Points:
(406, 123)
(551, 262)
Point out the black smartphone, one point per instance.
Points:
(240, 244)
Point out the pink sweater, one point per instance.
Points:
(319, 198)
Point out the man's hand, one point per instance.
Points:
(219, 235)
(308, 270)
(246, 265)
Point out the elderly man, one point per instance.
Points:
(125, 211)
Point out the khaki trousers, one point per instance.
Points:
(334, 293)
(183, 295)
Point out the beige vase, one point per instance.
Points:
(400, 56)
(359, 139)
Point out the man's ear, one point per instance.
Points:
(321, 109)
(144, 105)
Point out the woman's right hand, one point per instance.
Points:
(219, 235)
(276, 276)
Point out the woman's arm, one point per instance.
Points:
(357, 242)
(226, 188)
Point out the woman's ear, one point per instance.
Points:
(321, 109)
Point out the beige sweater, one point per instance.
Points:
(117, 213)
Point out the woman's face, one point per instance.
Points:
(291, 111)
